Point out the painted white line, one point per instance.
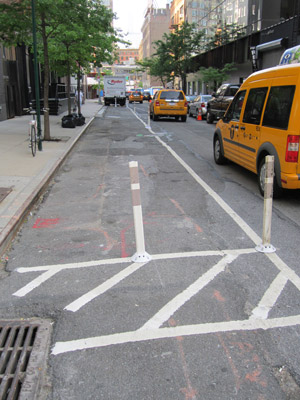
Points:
(51, 270)
(289, 272)
(285, 269)
(104, 287)
(178, 301)
(202, 253)
(241, 223)
(163, 333)
(270, 297)
(36, 282)
(135, 186)
(86, 264)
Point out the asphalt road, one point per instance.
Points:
(208, 317)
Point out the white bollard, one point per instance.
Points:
(140, 255)
(149, 123)
(266, 246)
(115, 102)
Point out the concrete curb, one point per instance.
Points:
(43, 178)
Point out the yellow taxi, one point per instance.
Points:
(263, 119)
(169, 103)
(136, 96)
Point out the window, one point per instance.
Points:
(171, 95)
(235, 108)
(254, 106)
(278, 108)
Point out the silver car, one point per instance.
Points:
(199, 105)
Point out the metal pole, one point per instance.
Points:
(36, 77)
(266, 246)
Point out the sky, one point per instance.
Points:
(130, 14)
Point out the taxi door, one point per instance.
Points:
(231, 127)
(250, 127)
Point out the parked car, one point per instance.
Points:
(189, 99)
(136, 97)
(147, 95)
(168, 103)
(217, 106)
(199, 105)
(263, 119)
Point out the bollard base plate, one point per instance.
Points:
(265, 248)
(141, 257)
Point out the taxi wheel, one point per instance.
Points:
(183, 118)
(218, 151)
(155, 117)
(277, 190)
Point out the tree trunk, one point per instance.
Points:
(78, 90)
(46, 80)
(69, 90)
(183, 79)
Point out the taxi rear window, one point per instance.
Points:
(171, 95)
(278, 108)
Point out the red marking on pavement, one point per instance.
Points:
(98, 190)
(45, 223)
(255, 377)
(144, 171)
(231, 363)
(189, 392)
(177, 205)
(218, 296)
(124, 253)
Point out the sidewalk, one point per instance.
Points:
(23, 177)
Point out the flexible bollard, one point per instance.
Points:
(141, 255)
(149, 123)
(266, 246)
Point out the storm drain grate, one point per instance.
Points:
(23, 349)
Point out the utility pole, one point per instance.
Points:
(36, 77)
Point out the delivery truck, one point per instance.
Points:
(114, 90)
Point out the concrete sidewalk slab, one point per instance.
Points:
(25, 176)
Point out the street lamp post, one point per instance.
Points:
(36, 77)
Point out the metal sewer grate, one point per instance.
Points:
(23, 348)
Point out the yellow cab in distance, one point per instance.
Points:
(169, 103)
(136, 96)
(263, 119)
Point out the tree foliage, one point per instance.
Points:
(174, 54)
(214, 77)
(70, 33)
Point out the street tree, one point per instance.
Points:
(158, 66)
(214, 77)
(88, 39)
(177, 50)
(54, 18)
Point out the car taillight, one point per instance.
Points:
(157, 103)
(292, 148)
(186, 104)
(202, 104)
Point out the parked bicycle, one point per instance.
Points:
(32, 131)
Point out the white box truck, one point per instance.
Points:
(114, 90)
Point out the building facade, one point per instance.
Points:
(127, 56)
(156, 24)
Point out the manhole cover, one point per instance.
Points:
(4, 192)
(23, 349)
